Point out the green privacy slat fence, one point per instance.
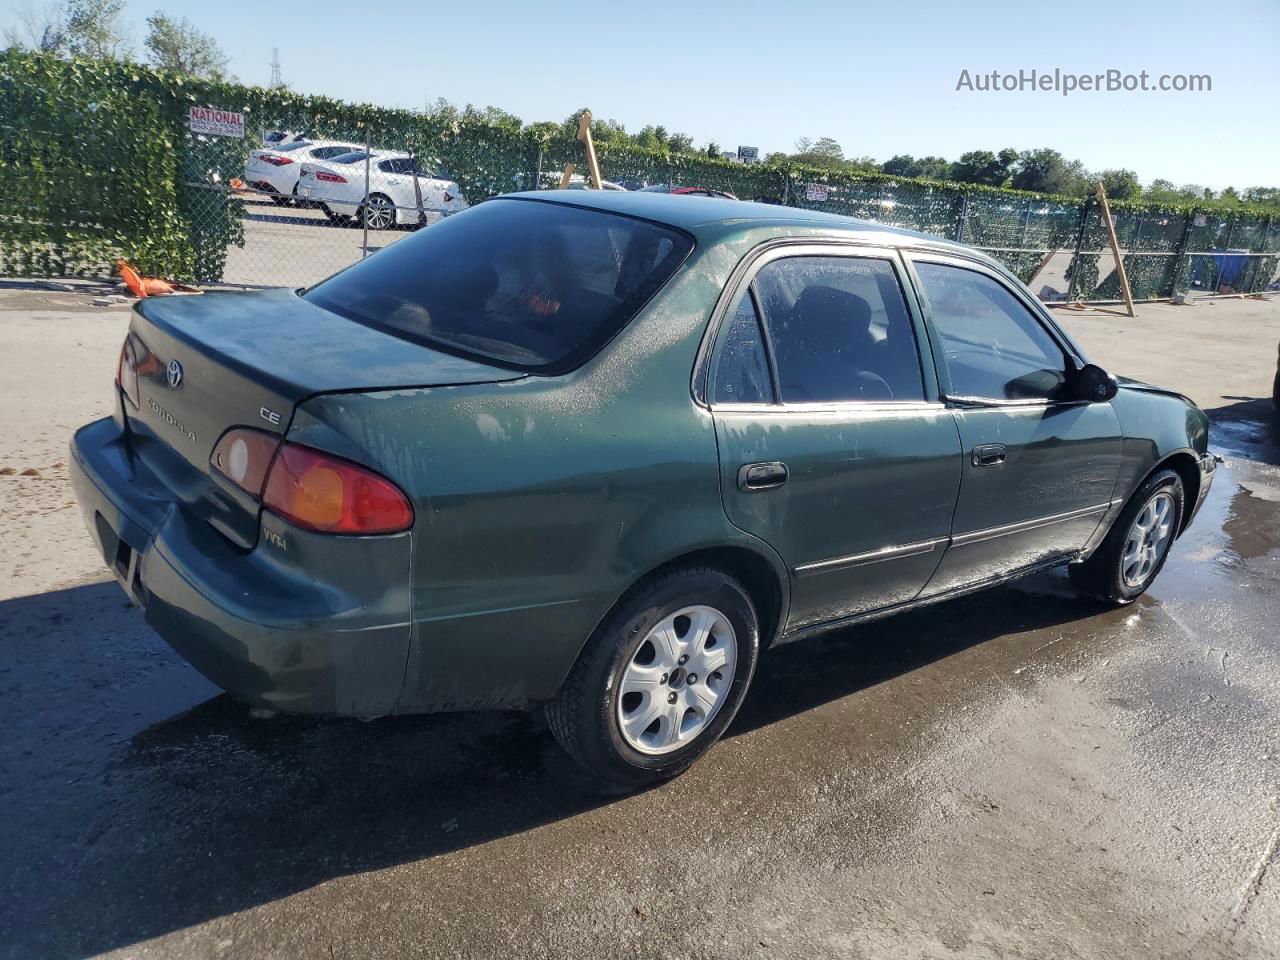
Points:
(97, 162)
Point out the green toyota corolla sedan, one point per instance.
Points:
(596, 451)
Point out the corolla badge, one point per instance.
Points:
(173, 373)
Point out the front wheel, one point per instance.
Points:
(1136, 547)
(660, 679)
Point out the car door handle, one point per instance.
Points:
(762, 476)
(989, 454)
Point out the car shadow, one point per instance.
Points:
(291, 216)
(123, 835)
(1249, 427)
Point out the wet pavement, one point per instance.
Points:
(1014, 774)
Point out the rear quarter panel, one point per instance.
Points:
(540, 501)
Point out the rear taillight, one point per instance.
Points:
(310, 488)
(321, 492)
(127, 371)
(329, 177)
(279, 161)
(243, 456)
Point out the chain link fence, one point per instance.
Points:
(99, 161)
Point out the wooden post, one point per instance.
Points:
(1115, 248)
(584, 134)
(568, 175)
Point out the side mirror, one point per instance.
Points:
(1094, 385)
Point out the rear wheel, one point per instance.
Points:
(378, 212)
(1137, 546)
(660, 680)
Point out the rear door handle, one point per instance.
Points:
(762, 476)
(989, 454)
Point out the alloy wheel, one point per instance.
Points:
(676, 680)
(379, 213)
(1148, 539)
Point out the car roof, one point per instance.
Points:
(713, 215)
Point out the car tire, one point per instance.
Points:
(375, 212)
(1275, 391)
(1134, 551)
(280, 200)
(337, 219)
(622, 673)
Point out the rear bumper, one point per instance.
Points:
(320, 626)
(281, 179)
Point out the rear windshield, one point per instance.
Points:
(527, 284)
(357, 157)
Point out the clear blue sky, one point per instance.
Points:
(878, 78)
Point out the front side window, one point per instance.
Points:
(840, 330)
(532, 285)
(993, 347)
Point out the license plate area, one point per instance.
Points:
(122, 559)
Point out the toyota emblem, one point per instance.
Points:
(174, 373)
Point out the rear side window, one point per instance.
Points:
(840, 330)
(532, 285)
(742, 369)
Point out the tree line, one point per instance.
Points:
(93, 28)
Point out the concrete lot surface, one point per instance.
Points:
(289, 246)
(1018, 774)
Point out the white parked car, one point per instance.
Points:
(275, 169)
(271, 138)
(337, 185)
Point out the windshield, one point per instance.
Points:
(528, 284)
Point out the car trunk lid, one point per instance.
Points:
(220, 360)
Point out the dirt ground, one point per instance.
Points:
(1014, 774)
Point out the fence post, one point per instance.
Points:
(1226, 245)
(963, 218)
(786, 186)
(1026, 227)
(364, 207)
(1074, 267)
(1180, 252)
